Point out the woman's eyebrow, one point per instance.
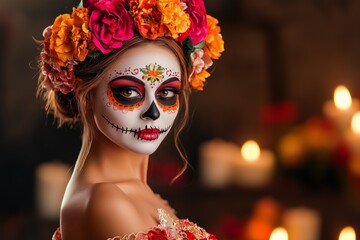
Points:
(172, 79)
(131, 78)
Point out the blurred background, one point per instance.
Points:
(274, 85)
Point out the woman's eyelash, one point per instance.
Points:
(126, 88)
(123, 91)
(174, 90)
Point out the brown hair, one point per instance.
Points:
(74, 107)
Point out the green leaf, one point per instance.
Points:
(94, 54)
(81, 5)
(199, 46)
(188, 48)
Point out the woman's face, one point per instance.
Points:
(137, 102)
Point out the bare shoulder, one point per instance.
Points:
(105, 211)
(110, 212)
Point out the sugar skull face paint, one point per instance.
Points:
(137, 102)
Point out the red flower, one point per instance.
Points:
(57, 235)
(157, 234)
(212, 237)
(189, 235)
(110, 24)
(56, 77)
(279, 113)
(89, 3)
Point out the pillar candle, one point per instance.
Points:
(51, 181)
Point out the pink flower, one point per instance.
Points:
(56, 77)
(199, 60)
(110, 24)
(198, 27)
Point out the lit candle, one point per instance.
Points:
(302, 223)
(355, 123)
(342, 108)
(253, 167)
(279, 234)
(353, 134)
(216, 158)
(342, 98)
(51, 180)
(250, 151)
(348, 233)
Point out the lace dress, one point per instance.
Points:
(168, 229)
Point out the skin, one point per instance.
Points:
(110, 196)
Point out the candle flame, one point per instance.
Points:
(355, 123)
(342, 98)
(279, 234)
(250, 150)
(348, 233)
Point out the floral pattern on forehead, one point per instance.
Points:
(152, 72)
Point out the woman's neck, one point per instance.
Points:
(108, 162)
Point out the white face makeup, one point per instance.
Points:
(138, 101)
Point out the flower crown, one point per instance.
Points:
(97, 27)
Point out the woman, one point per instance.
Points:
(124, 69)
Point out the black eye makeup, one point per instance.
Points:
(127, 90)
(168, 92)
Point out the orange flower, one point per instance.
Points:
(174, 17)
(70, 37)
(214, 41)
(197, 81)
(147, 18)
(161, 18)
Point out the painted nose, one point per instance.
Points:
(152, 113)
